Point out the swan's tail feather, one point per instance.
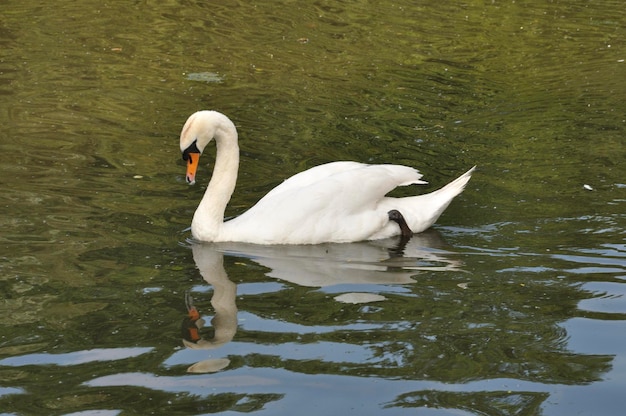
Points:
(456, 186)
(424, 210)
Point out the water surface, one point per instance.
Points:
(512, 304)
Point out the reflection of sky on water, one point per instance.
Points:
(396, 395)
(610, 298)
(252, 322)
(75, 358)
(10, 390)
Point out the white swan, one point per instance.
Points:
(334, 202)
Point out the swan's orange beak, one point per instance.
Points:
(192, 167)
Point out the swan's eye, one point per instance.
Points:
(191, 149)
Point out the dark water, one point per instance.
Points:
(512, 305)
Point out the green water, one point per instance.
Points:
(513, 304)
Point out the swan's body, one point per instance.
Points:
(334, 202)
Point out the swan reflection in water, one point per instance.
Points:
(381, 262)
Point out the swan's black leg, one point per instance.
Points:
(397, 217)
(405, 232)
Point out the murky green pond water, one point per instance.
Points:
(514, 304)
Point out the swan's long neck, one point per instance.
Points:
(209, 217)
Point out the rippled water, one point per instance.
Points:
(513, 304)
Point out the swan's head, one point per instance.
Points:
(199, 129)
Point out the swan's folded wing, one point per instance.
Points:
(342, 206)
(399, 175)
(313, 175)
